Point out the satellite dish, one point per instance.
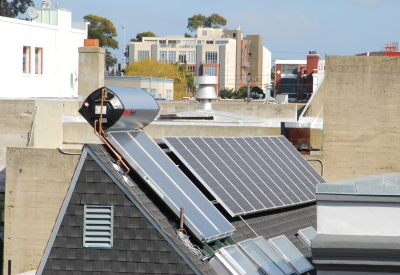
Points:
(32, 13)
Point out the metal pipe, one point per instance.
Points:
(322, 165)
(100, 133)
(248, 226)
(181, 220)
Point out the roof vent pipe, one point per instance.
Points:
(206, 94)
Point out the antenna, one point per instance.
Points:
(32, 13)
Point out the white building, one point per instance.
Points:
(213, 52)
(40, 57)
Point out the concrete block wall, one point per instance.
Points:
(361, 116)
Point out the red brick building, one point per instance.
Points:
(297, 78)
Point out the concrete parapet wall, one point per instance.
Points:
(36, 184)
(251, 109)
(361, 116)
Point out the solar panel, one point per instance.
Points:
(290, 254)
(170, 184)
(258, 256)
(248, 174)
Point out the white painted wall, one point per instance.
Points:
(266, 68)
(60, 57)
(358, 218)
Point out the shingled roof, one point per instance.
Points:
(145, 239)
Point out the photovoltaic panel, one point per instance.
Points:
(248, 174)
(170, 184)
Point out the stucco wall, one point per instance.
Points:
(358, 218)
(361, 116)
(40, 179)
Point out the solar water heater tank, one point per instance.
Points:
(123, 108)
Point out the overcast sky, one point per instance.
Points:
(289, 28)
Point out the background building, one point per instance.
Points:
(48, 49)
(215, 52)
(299, 78)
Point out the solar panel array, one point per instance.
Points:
(248, 174)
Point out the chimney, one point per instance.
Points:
(91, 68)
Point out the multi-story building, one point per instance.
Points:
(298, 78)
(41, 55)
(216, 52)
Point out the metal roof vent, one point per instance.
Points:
(206, 94)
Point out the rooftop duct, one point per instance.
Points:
(206, 94)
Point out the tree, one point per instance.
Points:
(110, 60)
(153, 68)
(226, 93)
(14, 7)
(213, 21)
(139, 36)
(103, 29)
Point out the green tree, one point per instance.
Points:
(198, 20)
(154, 68)
(226, 93)
(103, 29)
(110, 60)
(14, 7)
(139, 36)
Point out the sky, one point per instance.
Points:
(289, 28)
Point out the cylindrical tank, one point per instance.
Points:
(123, 108)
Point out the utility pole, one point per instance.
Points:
(248, 87)
(124, 49)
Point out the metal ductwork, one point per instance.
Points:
(123, 109)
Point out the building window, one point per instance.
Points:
(188, 43)
(288, 85)
(169, 95)
(289, 69)
(190, 68)
(98, 223)
(38, 61)
(209, 42)
(191, 57)
(204, 32)
(211, 57)
(143, 54)
(200, 42)
(163, 56)
(26, 60)
(221, 42)
(172, 57)
(153, 93)
(234, 34)
(182, 57)
(210, 70)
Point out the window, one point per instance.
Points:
(210, 70)
(188, 43)
(169, 95)
(38, 61)
(234, 34)
(221, 42)
(200, 41)
(172, 57)
(143, 54)
(98, 223)
(190, 68)
(289, 69)
(204, 32)
(163, 56)
(191, 58)
(182, 57)
(26, 60)
(211, 57)
(153, 93)
(209, 42)
(288, 85)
